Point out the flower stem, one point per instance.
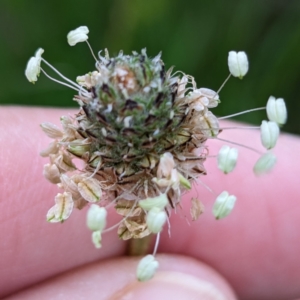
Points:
(138, 247)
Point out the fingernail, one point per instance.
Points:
(170, 285)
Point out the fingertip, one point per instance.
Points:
(179, 277)
(172, 285)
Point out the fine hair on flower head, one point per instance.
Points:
(141, 133)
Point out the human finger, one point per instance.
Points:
(32, 249)
(178, 278)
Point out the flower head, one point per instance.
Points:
(33, 68)
(138, 142)
(78, 35)
(238, 63)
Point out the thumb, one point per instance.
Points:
(178, 277)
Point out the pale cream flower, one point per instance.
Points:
(209, 124)
(90, 189)
(52, 130)
(70, 186)
(79, 147)
(166, 165)
(69, 129)
(276, 110)
(146, 268)
(156, 218)
(51, 173)
(62, 208)
(89, 80)
(78, 35)
(97, 239)
(160, 201)
(265, 163)
(198, 101)
(223, 205)
(182, 86)
(238, 63)
(227, 158)
(96, 218)
(63, 161)
(269, 133)
(33, 68)
(53, 148)
(203, 98)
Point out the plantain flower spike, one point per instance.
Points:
(138, 142)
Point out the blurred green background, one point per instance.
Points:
(193, 35)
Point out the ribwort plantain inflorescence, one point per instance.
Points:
(141, 133)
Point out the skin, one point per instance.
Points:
(253, 253)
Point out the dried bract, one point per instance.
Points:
(62, 208)
(197, 209)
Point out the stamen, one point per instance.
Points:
(240, 127)
(222, 85)
(241, 145)
(156, 244)
(169, 227)
(62, 76)
(206, 186)
(96, 169)
(120, 222)
(234, 127)
(60, 82)
(242, 112)
(91, 50)
(178, 72)
(120, 196)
